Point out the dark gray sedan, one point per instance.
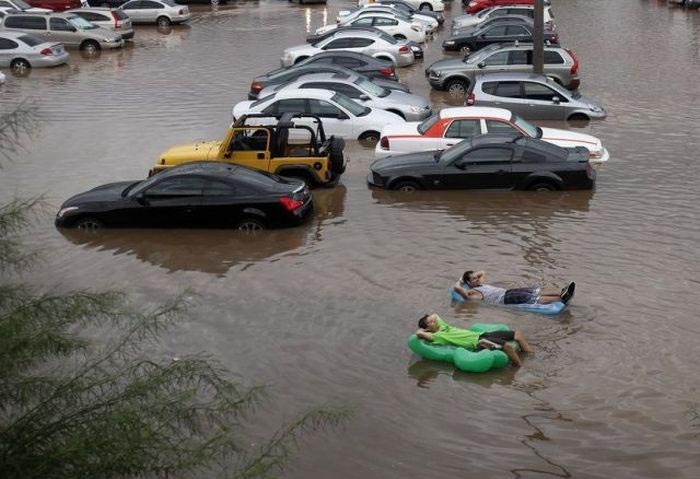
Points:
(492, 161)
(477, 38)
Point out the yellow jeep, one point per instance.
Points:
(294, 146)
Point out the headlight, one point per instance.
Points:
(596, 155)
(64, 211)
(449, 42)
(596, 108)
(435, 74)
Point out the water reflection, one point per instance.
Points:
(425, 372)
(212, 251)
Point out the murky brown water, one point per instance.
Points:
(322, 312)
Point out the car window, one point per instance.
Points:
(348, 90)
(149, 4)
(218, 188)
(361, 42)
(362, 22)
(537, 91)
(498, 126)
(29, 23)
(293, 105)
(92, 16)
(350, 105)
(6, 4)
(61, 25)
(81, 23)
(508, 89)
(7, 44)
(428, 123)
(552, 58)
(177, 186)
(338, 43)
(323, 109)
(463, 129)
(519, 57)
(250, 139)
(385, 22)
(348, 62)
(517, 31)
(497, 59)
(530, 156)
(488, 154)
(495, 31)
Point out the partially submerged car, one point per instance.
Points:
(295, 145)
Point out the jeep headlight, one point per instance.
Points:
(596, 154)
(64, 211)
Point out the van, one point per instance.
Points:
(68, 28)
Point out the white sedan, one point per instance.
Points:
(433, 5)
(430, 24)
(394, 26)
(451, 125)
(341, 116)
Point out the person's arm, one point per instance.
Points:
(466, 293)
(423, 334)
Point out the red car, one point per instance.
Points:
(55, 5)
(478, 5)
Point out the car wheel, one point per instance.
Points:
(163, 21)
(20, 66)
(370, 137)
(89, 224)
(542, 186)
(406, 186)
(336, 155)
(456, 88)
(90, 47)
(426, 6)
(578, 117)
(250, 225)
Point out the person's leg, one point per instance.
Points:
(524, 345)
(512, 355)
(549, 298)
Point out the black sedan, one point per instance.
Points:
(356, 61)
(192, 195)
(290, 74)
(474, 39)
(490, 161)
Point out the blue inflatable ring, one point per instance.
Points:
(550, 308)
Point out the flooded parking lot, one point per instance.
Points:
(322, 312)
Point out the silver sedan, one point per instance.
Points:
(22, 51)
(409, 106)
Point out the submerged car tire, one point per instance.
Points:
(579, 117)
(90, 46)
(163, 21)
(405, 185)
(89, 224)
(336, 155)
(542, 186)
(20, 66)
(369, 136)
(426, 6)
(250, 225)
(456, 88)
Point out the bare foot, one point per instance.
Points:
(512, 355)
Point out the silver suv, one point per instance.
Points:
(534, 97)
(110, 18)
(456, 74)
(67, 28)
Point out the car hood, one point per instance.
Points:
(408, 99)
(300, 49)
(398, 162)
(202, 150)
(108, 192)
(402, 129)
(569, 139)
(447, 64)
(243, 107)
(384, 117)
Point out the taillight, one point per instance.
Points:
(256, 86)
(384, 143)
(574, 67)
(47, 51)
(117, 21)
(387, 72)
(182, 11)
(405, 49)
(290, 204)
(471, 99)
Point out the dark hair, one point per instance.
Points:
(423, 321)
(466, 275)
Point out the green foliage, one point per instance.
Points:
(80, 396)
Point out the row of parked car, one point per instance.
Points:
(292, 131)
(36, 37)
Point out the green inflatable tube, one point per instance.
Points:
(464, 359)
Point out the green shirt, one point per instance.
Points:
(449, 335)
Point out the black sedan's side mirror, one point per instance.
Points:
(364, 97)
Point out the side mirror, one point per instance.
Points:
(556, 100)
(342, 116)
(141, 199)
(481, 64)
(364, 97)
(460, 165)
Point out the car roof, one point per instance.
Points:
(208, 167)
(90, 9)
(315, 93)
(337, 76)
(355, 33)
(495, 138)
(502, 76)
(475, 111)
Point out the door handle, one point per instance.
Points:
(449, 144)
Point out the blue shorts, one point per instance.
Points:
(522, 296)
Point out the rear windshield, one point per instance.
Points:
(120, 15)
(31, 40)
(22, 5)
(81, 23)
(549, 149)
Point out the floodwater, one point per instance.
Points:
(321, 313)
